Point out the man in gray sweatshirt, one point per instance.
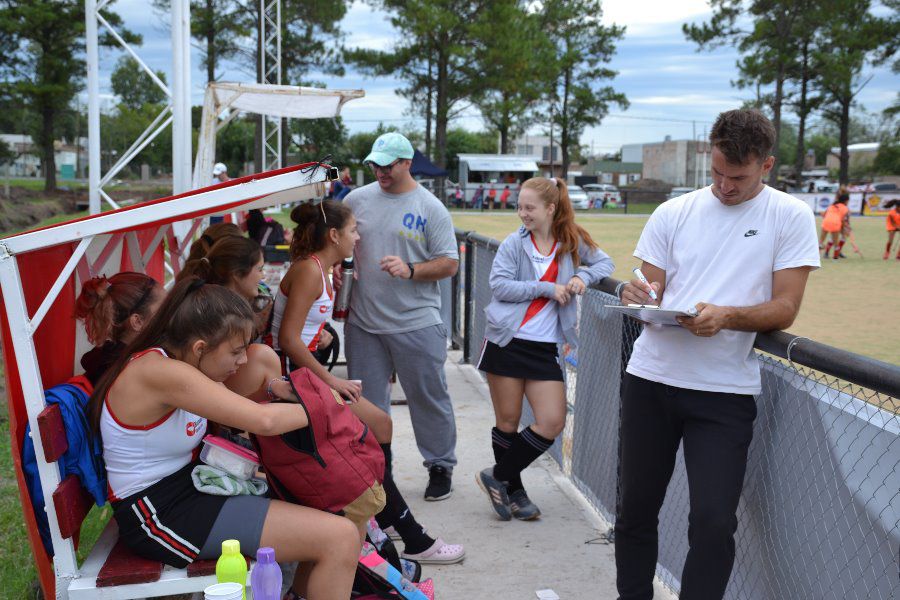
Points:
(406, 247)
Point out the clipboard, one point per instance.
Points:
(653, 314)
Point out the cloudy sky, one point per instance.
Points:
(673, 89)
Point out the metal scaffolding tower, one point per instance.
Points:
(177, 111)
(270, 73)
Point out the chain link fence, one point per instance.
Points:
(819, 515)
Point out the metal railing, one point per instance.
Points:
(819, 515)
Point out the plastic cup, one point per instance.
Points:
(223, 591)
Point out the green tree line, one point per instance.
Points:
(521, 64)
(813, 59)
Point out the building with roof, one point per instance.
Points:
(494, 170)
(615, 172)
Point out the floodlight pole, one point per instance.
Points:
(93, 90)
(181, 96)
(270, 73)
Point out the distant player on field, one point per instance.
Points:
(892, 225)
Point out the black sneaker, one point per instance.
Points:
(439, 484)
(522, 507)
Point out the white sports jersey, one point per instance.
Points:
(137, 456)
(315, 321)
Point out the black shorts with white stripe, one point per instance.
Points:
(168, 521)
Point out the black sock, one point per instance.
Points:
(388, 460)
(523, 451)
(500, 441)
(396, 513)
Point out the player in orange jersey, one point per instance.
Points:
(836, 216)
(893, 226)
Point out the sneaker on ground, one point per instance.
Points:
(439, 484)
(522, 507)
(440, 553)
(496, 492)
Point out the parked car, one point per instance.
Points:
(579, 198)
(679, 191)
(601, 194)
(871, 188)
(819, 186)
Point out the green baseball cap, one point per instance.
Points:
(388, 148)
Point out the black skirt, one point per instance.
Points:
(522, 359)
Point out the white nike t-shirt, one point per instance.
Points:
(722, 255)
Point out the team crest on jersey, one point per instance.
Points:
(191, 428)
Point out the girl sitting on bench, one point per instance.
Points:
(151, 410)
(325, 234)
(114, 311)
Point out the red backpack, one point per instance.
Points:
(328, 464)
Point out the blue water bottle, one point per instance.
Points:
(265, 580)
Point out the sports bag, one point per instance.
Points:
(328, 464)
(374, 573)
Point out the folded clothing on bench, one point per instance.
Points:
(217, 482)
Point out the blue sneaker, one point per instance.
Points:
(496, 491)
(522, 507)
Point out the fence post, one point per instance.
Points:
(469, 299)
(455, 333)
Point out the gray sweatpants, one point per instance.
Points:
(418, 357)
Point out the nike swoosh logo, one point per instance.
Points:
(751, 233)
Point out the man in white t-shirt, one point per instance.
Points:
(739, 252)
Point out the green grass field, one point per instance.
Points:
(849, 303)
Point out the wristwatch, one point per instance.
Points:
(412, 269)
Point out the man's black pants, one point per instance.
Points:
(716, 429)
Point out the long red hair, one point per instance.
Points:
(565, 230)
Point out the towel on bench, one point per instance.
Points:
(217, 482)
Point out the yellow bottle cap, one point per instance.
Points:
(231, 547)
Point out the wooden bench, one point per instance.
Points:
(111, 571)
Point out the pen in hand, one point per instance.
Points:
(642, 279)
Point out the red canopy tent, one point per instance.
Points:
(41, 272)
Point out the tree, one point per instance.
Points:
(463, 141)
(46, 68)
(317, 138)
(805, 100)
(435, 49)
(769, 46)
(887, 161)
(583, 47)
(133, 86)
(505, 97)
(846, 46)
(219, 26)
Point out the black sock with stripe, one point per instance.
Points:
(396, 512)
(500, 442)
(523, 451)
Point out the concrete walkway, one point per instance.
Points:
(509, 560)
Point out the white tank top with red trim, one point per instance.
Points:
(137, 456)
(315, 319)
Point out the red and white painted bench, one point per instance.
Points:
(111, 570)
(41, 273)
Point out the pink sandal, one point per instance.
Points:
(440, 553)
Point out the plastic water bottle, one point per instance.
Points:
(231, 566)
(342, 305)
(265, 580)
